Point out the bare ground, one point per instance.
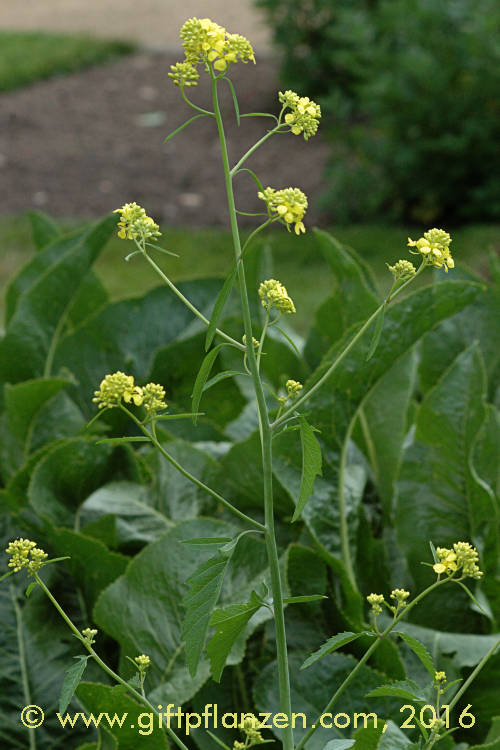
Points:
(81, 145)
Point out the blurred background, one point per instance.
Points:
(409, 138)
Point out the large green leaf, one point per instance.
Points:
(143, 609)
(354, 297)
(438, 497)
(139, 725)
(382, 426)
(24, 403)
(311, 689)
(311, 465)
(34, 642)
(334, 407)
(42, 307)
(66, 475)
(43, 228)
(477, 323)
(122, 514)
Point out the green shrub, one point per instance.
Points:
(410, 88)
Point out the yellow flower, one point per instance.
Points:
(184, 74)
(375, 600)
(289, 204)
(143, 662)
(403, 269)
(153, 397)
(114, 388)
(440, 677)
(135, 224)
(463, 558)
(400, 596)
(293, 388)
(89, 635)
(304, 114)
(25, 554)
(274, 294)
(434, 247)
(204, 41)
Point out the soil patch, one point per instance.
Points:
(84, 144)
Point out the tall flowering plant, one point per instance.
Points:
(210, 50)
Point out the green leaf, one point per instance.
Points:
(406, 689)
(222, 376)
(311, 465)
(44, 229)
(54, 274)
(235, 100)
(29, 589)
(303, 599)
(208, 540)
(202, 376)
(130, 511)
(229, 623)
(419, 650)
(339, 745)
(332, 644)
(439, 497)
(24, 407)
(154, 586)
(136, 723)
(383, 424)
(220, 303)
(73, 677)
(181, 127)
(311, 691)
(376, 333)
(204, 590)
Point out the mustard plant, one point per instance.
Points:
(211, 51)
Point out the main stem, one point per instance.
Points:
(265, 438)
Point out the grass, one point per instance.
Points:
(297, 262)
(27, 57)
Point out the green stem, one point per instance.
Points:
(251, 150)
(265, 434)
(392, 294)
(140, 698)
(262, 337)
(188, 475)
(22, 660)
(185, 300)
(365, 658)
(192, 105)
(473, 675)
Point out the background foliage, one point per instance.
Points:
(410, 88)
(410, 451)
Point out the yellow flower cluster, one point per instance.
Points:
(153, 397)
(289, 204)
(304, 114)
(118, 386)
(89, 635)
(434, 247)
(25, 554)
(274, 294)
(143, 662)
(204, 41)
(375, 601)
(293, 388)
(439, 677)
(463, 558)
(403, 269)
(184, 74)
(135, 224)
(400, 596)
(114, 388)
(250, 728)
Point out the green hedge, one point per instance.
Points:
(410, 93)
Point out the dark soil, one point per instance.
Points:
(84, 144)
